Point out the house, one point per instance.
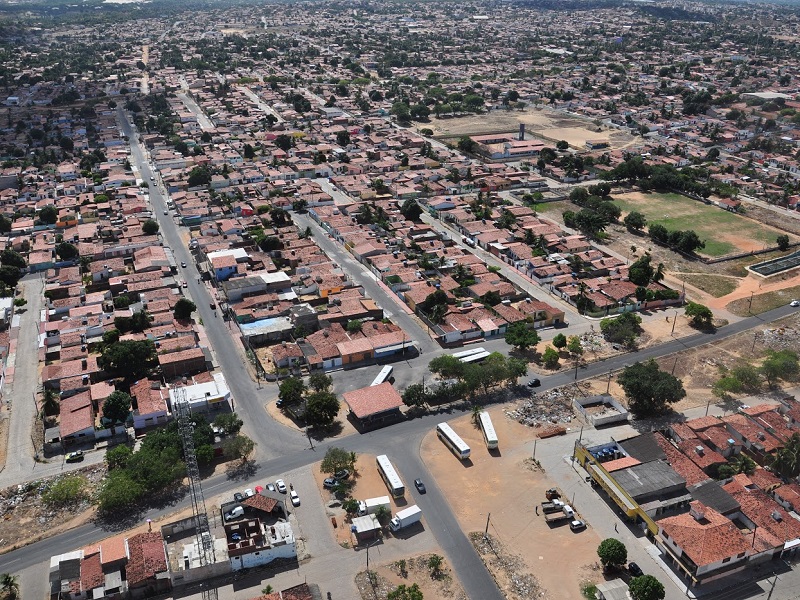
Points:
(151, 407)
(146, 569)
(703, 543)
(76, 419)
(374, 405)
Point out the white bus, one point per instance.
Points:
(471, 355)
(390, 476)
(384, 375)
(452, 440)
(489, 435)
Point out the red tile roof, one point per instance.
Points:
(91, 572)
(373, 400)
(146, 558)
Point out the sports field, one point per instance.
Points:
(723, 232)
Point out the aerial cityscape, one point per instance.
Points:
(489, 300)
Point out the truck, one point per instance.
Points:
(371, 505)
(552, 493)
(566, 514)
(552, 506)
(404, 518)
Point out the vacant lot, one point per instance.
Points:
(723, 232)
(507, 485)
(577, 136)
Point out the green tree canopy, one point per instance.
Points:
(623, 329)
(66, 251)
(319, 382)
(635, 220)
(701, 316)
(11, 258)
(550, 358)
(404, 592)
(411, 210)
(117, 407)
(337, 459)
(230, 423)
(183, 309)
(612, 553)
(649, 390)
(291, 390)
(48, 214)
(150, 227)
(322, 408)
(646, 587)
(521, 336)
(240, 446)
(560, 341)
(131, 358)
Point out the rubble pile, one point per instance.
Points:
(780, 338)
(507, 569)
(545, 408)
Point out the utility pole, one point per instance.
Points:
(772, 589)
(674, 320)
(675, 364)
(608, 385)
(486, 531)
(707, 405)
(750, 304)
(534, 446)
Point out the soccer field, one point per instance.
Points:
(723, 232)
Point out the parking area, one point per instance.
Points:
(504, 487)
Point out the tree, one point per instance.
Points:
(119, 491)
(48, 214)
(10, 275)
(230, 423)
(658, 233)
(787, 459)
(337, 459)
(13, 259)
(118, 457)
(649, 390)
(240, 446)
(612, 553)
(641, 271)
(782, 241)
(183, 309)
(635, 220)
(10, 586)
(468, 145)
(319, 382)
(322, 408)
(130, 358)
(354, 326)
(446, 366)
(780, 365)
(415, 395)
(550, 358)
(574, 345)
(66, 251)
(199, 176)
(117, 408)
(521, 336)
(623, 329)
(291, 390)
(150, 227)
(435, 563)
(701, 316)
(5, 224)
(646, 587)
(726, 385)
(403, 592)
(411, 210)
(562, 145)
(560, 341)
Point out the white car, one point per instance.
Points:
(794, 303)
(249, 492)
(281, 486)
(295, 498)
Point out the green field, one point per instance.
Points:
(723, 232)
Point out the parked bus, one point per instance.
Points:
(489, 435)
(384, 375)
(452, 440)
(471, 355)
(390, 477)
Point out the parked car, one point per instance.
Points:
(183, 264)
(237, 512)
(238, 496)
(295, 498)
(794, 303)
(634, 570)
(184, 284)
(420, 486)
(249, 492)
(166, 212)
(280, 485)
(535, 382)
(258, 489)
(577, 525)
(329, 483)
(271, 487)
(343, 474)
(74, 456)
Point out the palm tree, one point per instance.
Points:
(50, 402)
(10, 586)
(787, 459)
(659, 274)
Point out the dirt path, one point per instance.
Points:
(753, 285)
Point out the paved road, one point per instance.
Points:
(361, 276)
(21, 399)
(260, 103)
(249, 399)
(202, 120)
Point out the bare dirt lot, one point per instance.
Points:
(415, 571)
(508, 485)
(699, 368)
(548, 125)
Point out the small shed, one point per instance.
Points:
(365, 528)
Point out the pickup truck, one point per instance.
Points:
(565, 514)
(552, 506)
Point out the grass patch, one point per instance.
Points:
(712, 224)
(716, 285)
(738, 267)
(764, 302)
(65, 491)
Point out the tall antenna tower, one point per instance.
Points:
(205, 543)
